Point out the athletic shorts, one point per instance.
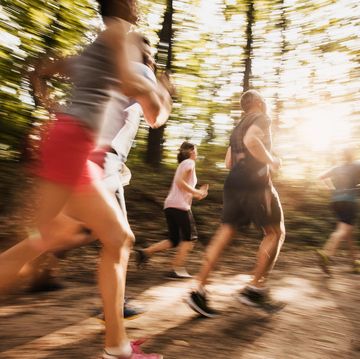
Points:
(260, 206)
(345, 211)
(181, 225)
(64, 151)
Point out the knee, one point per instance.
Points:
(276, 234)
(117, 239)
(129, 239)
(281, 233)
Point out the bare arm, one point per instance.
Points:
(197, 193)
(44, 69)
(325, 177)
(254, 144)
(157, 104)
(132, 84)
(228, 158)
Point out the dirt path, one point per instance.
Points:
(321, 319)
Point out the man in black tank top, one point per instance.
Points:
(249, 197)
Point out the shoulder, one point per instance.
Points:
(261, 119)
(187, 164)
(145, 71)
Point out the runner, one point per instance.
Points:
(249, 197)
(65, 176)
(179, 218)
(343, 181)
(115, 140)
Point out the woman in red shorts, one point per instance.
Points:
(65, 176)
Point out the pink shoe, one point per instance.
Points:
(136, 354)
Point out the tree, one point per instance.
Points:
(164, 61)
(248, 50)
(282, 25)
(30, 29)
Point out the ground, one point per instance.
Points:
(321, 319)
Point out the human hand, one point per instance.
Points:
(203, 191)
(276, 164)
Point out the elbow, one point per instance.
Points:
(180, 184)
(152, 116)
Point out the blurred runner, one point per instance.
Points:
(114, 144)
(249, 197)
(179, 218)
(65, 176)
(343, 181)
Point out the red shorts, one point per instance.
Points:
(64, 151)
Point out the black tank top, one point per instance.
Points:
(246, 170)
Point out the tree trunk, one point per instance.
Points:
(163, 59)
(282, 24)
(250, 18)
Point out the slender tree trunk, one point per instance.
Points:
(250, 19)
(155, 141)
(282, 24)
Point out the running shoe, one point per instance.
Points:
(324, 261)
(198, 303)
(45, 285)
(260, 299)
(137, 353)
(178, 275)
(141, 258)
(130, 312)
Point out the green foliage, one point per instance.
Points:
(305, 60)
(30, 29)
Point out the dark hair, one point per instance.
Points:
(123, 9)
(185, 151)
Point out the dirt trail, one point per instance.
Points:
(321, 319)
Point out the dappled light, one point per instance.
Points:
(204, 155)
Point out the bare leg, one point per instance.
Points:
(110, 225)
(183, 250)
(341, 233)
(268, 253)
(220, 240)
(50, 199)
(348, 229)
(158, 247)
(69, 234)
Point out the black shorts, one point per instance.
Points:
(181, 225)
(345, 211)
(260, 206)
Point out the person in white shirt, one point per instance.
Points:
(179, 218)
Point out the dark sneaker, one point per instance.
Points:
(48, 285)
(141, 258)
(198, 303)
(260, 299)
(177, 275)
(324, 261)
(131, 312)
